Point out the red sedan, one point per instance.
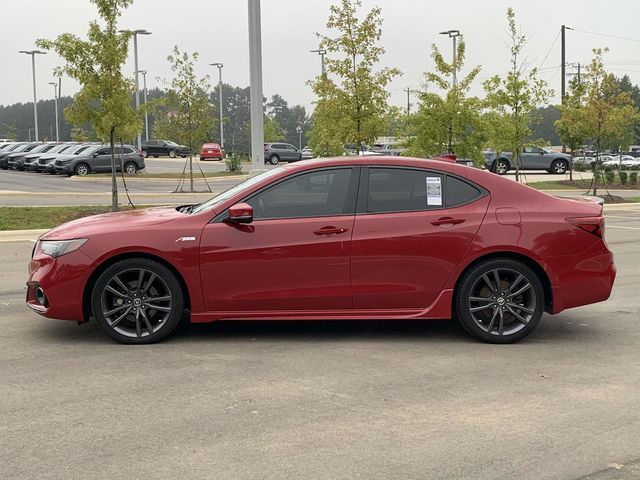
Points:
(348, 238)
(211, 150)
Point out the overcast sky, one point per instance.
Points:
(217, 29)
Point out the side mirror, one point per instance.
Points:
(240, 213)
(95, 154)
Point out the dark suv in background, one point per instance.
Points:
(276, 152)
(97, 159)
(155, 148)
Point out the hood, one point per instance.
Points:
(112, 222)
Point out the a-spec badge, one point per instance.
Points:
(186, 239)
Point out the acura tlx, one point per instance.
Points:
(341, 239)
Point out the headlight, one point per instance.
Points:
(57, 248)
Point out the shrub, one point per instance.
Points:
(633, 178)
(579, 167)
(609, 175)
(234, 162)
(623, 177)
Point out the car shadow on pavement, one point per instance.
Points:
(551, 329)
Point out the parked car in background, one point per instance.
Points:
(627, 162)
(388, 149)
(211, 150)
(46, 163)
(16, 162)
(18, 148)
(532, 158)
(31, 159)
(277, 152)
(156, 148)
(307, 153)
(6, 140)
(98, 159)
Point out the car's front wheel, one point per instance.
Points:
(172, 154)
(499, 301)
(502, 167)
(559, 167)
(137, 301)
(274, 159)
(81, 169)
(130, 168)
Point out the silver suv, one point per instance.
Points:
(276, 152)
(532, 158)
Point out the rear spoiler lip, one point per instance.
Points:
(588, 200)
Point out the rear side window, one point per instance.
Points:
(459, 192)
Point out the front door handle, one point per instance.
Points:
(329, 230)
(444, 221)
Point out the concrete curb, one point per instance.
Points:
(7, 236)
(150, 180)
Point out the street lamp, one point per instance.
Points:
(255, 86)
(219, 65)
(33, 54)
(144, 98)
(135, 34)
(454, 34)
(55, 99)
(322, 52)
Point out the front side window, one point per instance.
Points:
(314, 194)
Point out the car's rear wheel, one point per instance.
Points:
(274, 159)
(499, 301)
(172, 154)
(82, 169)
(137, 301)
(502, 167)
(130, 168)
(559, 167)
(156, 156)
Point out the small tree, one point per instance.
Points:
(104, 98)
(352, 96)
(272, 130)
(609, 115)
(512, 98)
(78, 134)
(451, 121)
(571, 126)
(12, 131)
(190, 117)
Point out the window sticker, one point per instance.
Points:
(434, 191)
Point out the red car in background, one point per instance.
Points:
(341, 239)
(211, 150)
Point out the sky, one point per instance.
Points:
(218, 31)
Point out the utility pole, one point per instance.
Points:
(322, 52)
(144, 98)
(220, 65)
(33, 54)
(454, 34)
(255, 86)
(563, 65)
(55, 98)
(408, 90)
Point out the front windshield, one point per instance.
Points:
(250, 182)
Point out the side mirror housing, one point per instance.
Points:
(95, 154)
(240, 213)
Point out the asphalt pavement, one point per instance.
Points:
(325, 400)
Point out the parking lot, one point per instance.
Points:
(339, 400)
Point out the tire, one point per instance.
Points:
(172, 153)
(81, 169)
(128, 317)
(274, 159)
(502, 167)
(155, 156)
(145, 154)
(520, 313)
(130, 168)
(559, 167)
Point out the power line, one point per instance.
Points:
(549, 51)
(607, 35)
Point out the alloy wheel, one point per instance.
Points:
(130, 168)
(559, 167)
(502, 302)
(136, 302)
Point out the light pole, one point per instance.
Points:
(219, 65)
(299, 130)
(255, 86)
(322, 52)
(55, 99)
(33, 54)
(144, 98)
(454, 34)
(135, 34)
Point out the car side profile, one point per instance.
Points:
(97, 159)
(340, 239)
(274, 153)
(532, 158)
(156, 148)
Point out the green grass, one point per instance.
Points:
(28, 218)
(577, 185)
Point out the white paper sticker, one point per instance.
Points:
(434, 191)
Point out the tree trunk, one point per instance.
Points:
(191, 170)
(114, 184)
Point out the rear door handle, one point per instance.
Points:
(330, 230)
(444, 221)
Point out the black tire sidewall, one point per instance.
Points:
(463, 291)
(159, 269)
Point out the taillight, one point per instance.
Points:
(592, 225)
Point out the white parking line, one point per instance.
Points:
(620, 216)
(626, 228)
